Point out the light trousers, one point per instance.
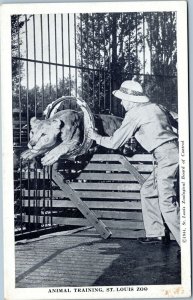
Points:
(158, 194)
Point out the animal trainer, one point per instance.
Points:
(63, 134)
(149, 124)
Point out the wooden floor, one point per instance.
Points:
(83, 259)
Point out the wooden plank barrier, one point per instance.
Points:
(108, 186)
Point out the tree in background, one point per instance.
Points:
(17, 66)
(107, 43)
(111, 47)
(114, 45)
(36, 99)
(161, 37)
(17, 23)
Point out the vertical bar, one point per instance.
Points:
(104, 31)
(121, 42)
(69, 58)
(87, 40)
(158, 62)
(81, 56)
(76, 81)
(20, 164)
(42, 57)
(27, 78)
(35, 196)
(44, 197)
(110, 86)
(35, 103)
(150, 43)
(130, 18)
(157, 58)
(51, 195)
(20, 194)
(56, 55)
(27, 107)
(121, 50)
(19, 71)
(99, 66)
(93, 77)
(62, 39)
(173, 16)
(50, 84)
(164, 43)
(34, 39)
(136, 41)
(143, 44)
(87, 58)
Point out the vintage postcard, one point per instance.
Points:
(95, 144)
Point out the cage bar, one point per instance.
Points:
(69, 57)
(34, 46)
(42, 57)
(56, 55)
(75, 50)
(62, 44)
(49, 61)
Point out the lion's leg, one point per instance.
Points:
(29, 155)
(52, 156)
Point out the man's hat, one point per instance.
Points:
(132, 91)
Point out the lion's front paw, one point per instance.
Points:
(50, 158)
(27, 155)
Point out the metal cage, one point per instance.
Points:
(87, 56)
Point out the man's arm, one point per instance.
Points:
(120, 136)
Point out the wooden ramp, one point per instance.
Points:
(109, 185)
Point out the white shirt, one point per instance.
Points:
(147, 122)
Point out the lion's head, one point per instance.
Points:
(43, 134)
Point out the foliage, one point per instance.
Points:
(113, 44)
(17, 23)
(107, 43)
(161, 37)
(34, 101)
(111, 48)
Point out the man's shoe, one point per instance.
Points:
(150, 240)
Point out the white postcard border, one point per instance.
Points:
(183, 290)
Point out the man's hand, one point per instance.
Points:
(93, 134)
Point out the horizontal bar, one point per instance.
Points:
(87, 68)
(116, 157)
(116, 167)
(119, 215)
(104, 186)
(117, 233)
(116, 224)
(102, 204)
(101, 177)
(57, 64)
(134, 215)
(87, 194)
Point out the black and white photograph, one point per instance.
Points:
(95, 123)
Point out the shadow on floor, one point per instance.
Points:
(79, 260)
(140, 264)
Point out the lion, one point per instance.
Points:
(62, 133)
